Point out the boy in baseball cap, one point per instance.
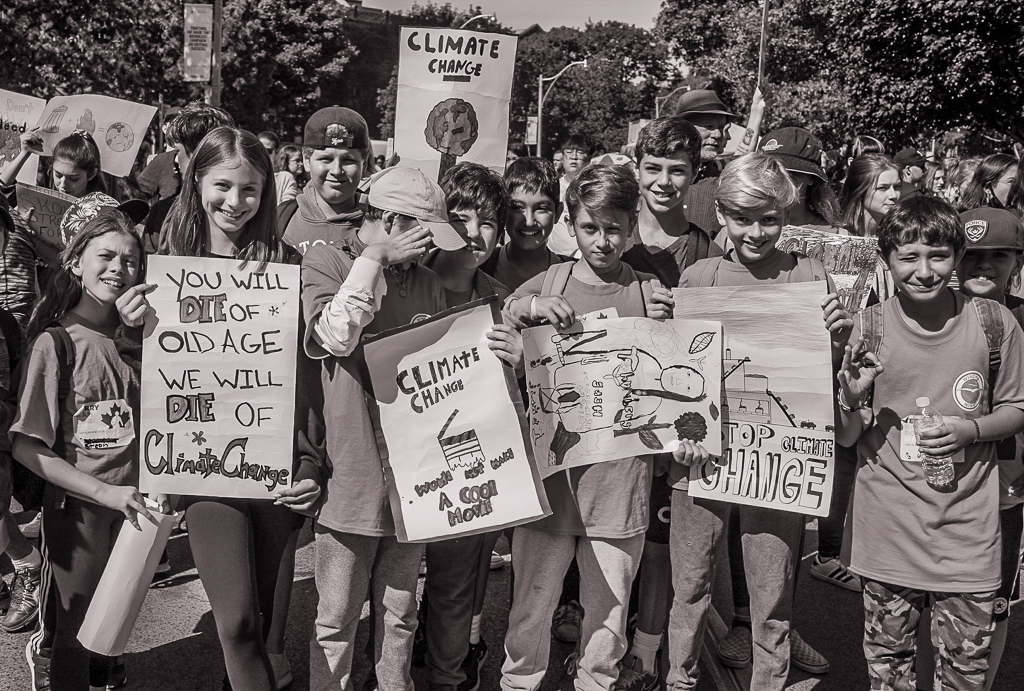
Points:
(993, 256)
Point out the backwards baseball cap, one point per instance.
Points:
(798, 149)
(908, 157)
(989, 228)
(336, 128)
(701, 101)
(407, 191)
(91, 205)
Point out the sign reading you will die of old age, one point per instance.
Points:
(218, 378)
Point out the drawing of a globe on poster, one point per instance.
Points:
(120, 137)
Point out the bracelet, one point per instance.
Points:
(533, 308)
(839, 398)
(977, 431)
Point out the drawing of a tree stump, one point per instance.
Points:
(452, 129)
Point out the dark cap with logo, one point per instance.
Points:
(703, 101)
(798, 149)
(908, 157)
(336, 128)
(988, 228)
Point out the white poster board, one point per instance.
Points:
(18, 114)
(454, 89)
(218, 378)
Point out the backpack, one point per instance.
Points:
(285, 211)
(708, 268)
(557, 277)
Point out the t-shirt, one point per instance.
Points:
(667, 263)
(899, 529)
(106, 375)
(510, 274)
(355, 497)
(483, 284)
(311, 227)
(610, 499)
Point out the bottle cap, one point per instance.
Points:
(923, 402)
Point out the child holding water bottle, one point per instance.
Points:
(912, 541)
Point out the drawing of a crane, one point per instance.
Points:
(755, 390)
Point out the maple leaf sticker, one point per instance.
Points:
(115, 412)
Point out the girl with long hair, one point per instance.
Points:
(990, 185)
(872, 188)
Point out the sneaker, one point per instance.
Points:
(5, 596)
(163, 568)
(282, 670)
(632, 676)
(831, 571)
(38, 667)
(21, 615)
(31, 529)
(565, 625)
(473, 665)
(497, 561)
(736, 648)
(118, 676)
(805, 657)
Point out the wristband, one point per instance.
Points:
(839, 398)
(533, 308)
(977, 431)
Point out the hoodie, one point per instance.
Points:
(309, 226)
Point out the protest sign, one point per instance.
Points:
(218, 378)
(454, 89)
(777, 416)
(198, 42)
(18, 114)
(851, 261)
(117, 126)
(44, 209)
(451, 428)
(607, 389)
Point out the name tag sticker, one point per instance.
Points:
(105, 425)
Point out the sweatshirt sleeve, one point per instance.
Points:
(338, 303)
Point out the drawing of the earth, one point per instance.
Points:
(120, 136)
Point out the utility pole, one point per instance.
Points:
(218, 21)
(541, 95)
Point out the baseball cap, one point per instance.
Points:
(798, 149)
(407, 191)
(335, 127)
(701, 101)
(89, 207)
(909, 157)
(990, 228)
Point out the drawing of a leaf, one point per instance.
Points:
(713, 411)
(650, 440)
(701, 341)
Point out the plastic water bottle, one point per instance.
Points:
(937, 471)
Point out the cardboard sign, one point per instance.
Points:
(198, 42)
(451, 428)
(777, 413)
(218, 378)
(608, 389)
(454, 89)
(851, 261)
(47, 209)
(117, 126)
(18, 114)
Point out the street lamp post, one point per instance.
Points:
(542, 95)
(658, 100)
(474, 18)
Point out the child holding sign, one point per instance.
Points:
(75, 423)
(76, 163)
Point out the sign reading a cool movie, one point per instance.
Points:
(451, 428)
(218, 378)
(454, 89)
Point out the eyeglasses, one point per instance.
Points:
(574, 154)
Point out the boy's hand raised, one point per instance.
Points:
(837, 320)
(133, 305)
(661, 304)
(407, 246)
(857, 374)
(690, 452)
(507, 344)
(554, 309)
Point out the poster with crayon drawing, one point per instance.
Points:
(607, 389)
(18, 114)
(777, 404)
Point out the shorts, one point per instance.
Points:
(1012, 520)
(661, 511)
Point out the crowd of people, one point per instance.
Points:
(379, 247)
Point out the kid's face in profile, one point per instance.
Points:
(601, 236)
(531, 216)
(108, 266)
(921, 271)
(754, 232)
(295, 163)
(480, 233)
(884, 195)
(986, 273)
(335, 174)
(69, 178)
(665, 180)
(1001, 187)
(231, 197)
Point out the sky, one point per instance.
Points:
(520, 14)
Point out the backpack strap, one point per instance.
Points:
(285, 211)
(704, 271)
(810, 265)
(65, 350)
(556, 278)
(992, 324)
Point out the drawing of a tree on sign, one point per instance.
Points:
(452, 129)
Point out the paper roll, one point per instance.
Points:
(122, 589)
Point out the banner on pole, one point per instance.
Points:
(777, 414)
(18, 114)
(454, 89)
(451, 428)
(198, 42)
(218, 378)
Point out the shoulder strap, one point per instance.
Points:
(705, 270)
(992, 324)
(871, 327)
(285, 211)
(556, 277)
(811, 265)
(65, 349)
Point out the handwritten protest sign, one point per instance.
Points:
(117, 126)
(451, 428)
(607, 389)
(454, 89)
(851, 261)
(218, 378)
(777, 416)
(47, 209)
(18, 114)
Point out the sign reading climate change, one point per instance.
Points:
(218, 378)
(777, 416)
(451, 428)
(454, 89)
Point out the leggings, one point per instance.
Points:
(237, 546)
